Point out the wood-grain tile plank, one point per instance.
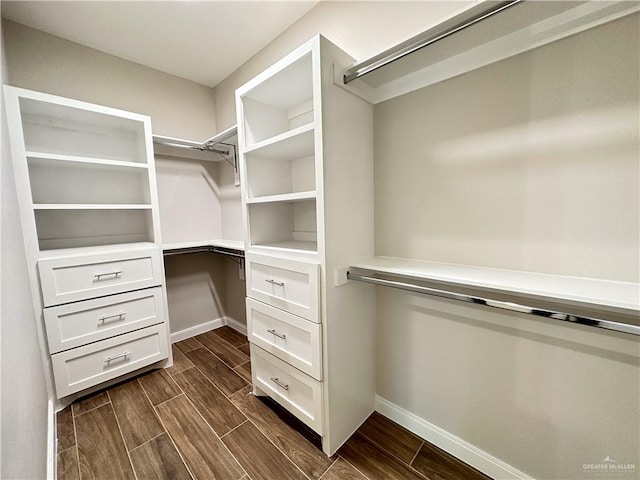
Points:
(159, 460)
(159, 386)
(312, 461)
(67, 465)
(245, 349)
(341, 470)
(258, 456)
(374, 462)
(437, 464)
(188, 344)
(136, 417)
(222, 349)
(101, 450)
(202, 450)
(90, 402)
(216, 409)
(392, 437)
(216, 371)
(64, 429)
(244, 371)
(180, 361)
(231, 335)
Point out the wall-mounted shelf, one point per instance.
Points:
(95, 206)
(220, 147)
(616, 305)
(478, 35)
(230, 248)
(292, 143)
(41, 158)
(287, 197)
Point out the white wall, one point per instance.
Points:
(39, 61)
(197, 199)
(359, 28)
(531, 163)
(23, 395)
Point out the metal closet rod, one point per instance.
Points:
(203, 148)
(502, 305)
(465, 19)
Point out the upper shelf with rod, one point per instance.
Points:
(480, 34)
(221, 147)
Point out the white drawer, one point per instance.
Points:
(291, 338)
(69, 279)
(298, 393)
(83, 367)
(291, 285)
(76, 324)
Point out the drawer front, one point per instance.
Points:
(70, 279)
(76, 324)
(291, 338)
(83, 367)
(291, 285)
(298, 393)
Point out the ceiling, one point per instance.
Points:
(203, 41)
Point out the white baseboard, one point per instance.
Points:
(457, 447)
(52, 454)
(205, 327)
(197, 329)
(236, 325)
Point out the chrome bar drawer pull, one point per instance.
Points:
(119, 316)
(116, 357)
(279, 383)
(279, 335)
(273, 282)
(98, 276)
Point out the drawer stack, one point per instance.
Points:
(104, 315)
(285, 334)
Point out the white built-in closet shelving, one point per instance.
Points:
(89, 211)
(307, 194)
(478, 35)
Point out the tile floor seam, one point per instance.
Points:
(356, 469)
(91, 409)
(273, 443)
(184, 462)
(214, 432)
(416, 455)
(147, 393)
(212, 353)
(162, 403)
(383, 448)
(115, 415)
(75, 438)
(211, 381)
(329, 468)
(148, 441)
(245, 421)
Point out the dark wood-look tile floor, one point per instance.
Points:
(199, 420)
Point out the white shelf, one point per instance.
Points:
(80, 251)
(287, 197)
(222, 243)
(290, 144)
(48, 158)
(517, 29)
(287, 246)
(94, 206)
(617, 297)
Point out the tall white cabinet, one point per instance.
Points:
(89, 209)
(306, 164)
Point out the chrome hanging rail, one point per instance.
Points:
(469, 17)
(502, 305)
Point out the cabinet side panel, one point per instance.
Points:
(348, 312)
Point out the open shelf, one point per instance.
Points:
(293, 143)
(70, 227)
(88, 206)
(280, 103)
(583, 293)
(55, 128)
(284, 224)
(288, 197)
(42, 159)
(290, 246)
(459, 44)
